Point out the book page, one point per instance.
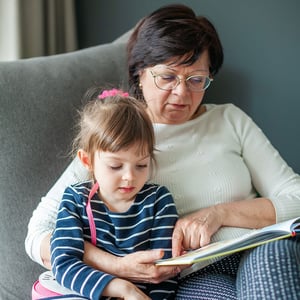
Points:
(254, 238)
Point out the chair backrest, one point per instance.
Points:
(38, 100)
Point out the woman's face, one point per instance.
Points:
(180, 104)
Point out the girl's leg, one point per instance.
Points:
(214, 282)
(270, 271)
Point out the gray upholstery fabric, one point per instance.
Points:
(38, 99)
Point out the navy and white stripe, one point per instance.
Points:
(148, 224)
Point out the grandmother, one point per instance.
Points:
(225, 175)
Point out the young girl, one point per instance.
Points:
(116, 210)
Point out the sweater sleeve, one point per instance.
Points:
(44, 216)
(67, 249)
(164, 222)
(270, 174)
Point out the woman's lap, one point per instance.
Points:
(216, 281)
(270, 271)
(205, 287)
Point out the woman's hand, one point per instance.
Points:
(45, 251)
(195, 230)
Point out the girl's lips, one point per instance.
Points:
(126, 189)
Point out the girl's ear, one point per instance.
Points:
(84, 158)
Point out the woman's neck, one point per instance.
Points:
(200, 110)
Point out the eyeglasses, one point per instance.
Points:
(167, 82)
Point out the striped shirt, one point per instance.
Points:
(148, 224)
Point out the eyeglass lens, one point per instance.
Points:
(169, 82)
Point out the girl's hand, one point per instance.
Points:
(195, 230)
(136, 267)
(123, 289)
(140, 267)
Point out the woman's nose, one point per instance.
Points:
(181, 88)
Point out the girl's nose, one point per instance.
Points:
(128, 175)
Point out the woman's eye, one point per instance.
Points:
(167, 78)
(196, 80)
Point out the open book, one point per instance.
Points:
(219, 249)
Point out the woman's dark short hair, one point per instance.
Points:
(170, 32)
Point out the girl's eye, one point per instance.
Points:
(142, 166)
(115, 167)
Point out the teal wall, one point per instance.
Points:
(261, 40)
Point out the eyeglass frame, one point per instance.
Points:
(178, 81)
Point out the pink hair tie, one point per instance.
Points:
(112, 92)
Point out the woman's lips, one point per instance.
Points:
(177, 106)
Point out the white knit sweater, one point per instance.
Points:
(221, 156)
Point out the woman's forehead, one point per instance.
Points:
(177, 65)
(184, 61)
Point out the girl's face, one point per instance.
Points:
(180, 104)
(120, 175)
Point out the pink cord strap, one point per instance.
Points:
(89, 212)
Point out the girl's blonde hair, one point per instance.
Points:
(114, 123)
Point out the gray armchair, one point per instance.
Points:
(38, 98)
